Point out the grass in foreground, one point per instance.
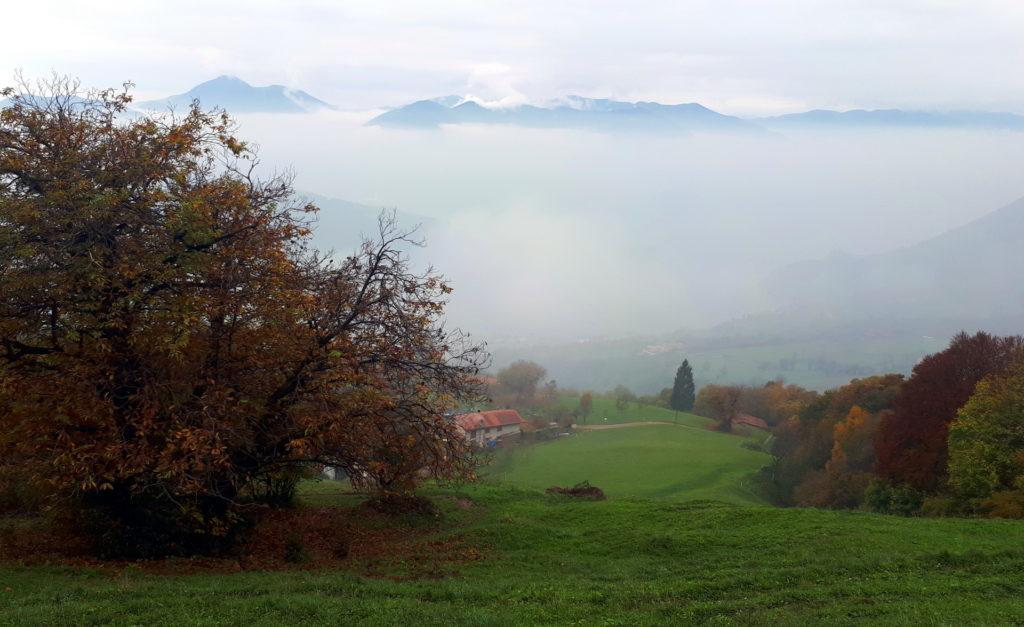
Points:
(664, 461)
(554, 560)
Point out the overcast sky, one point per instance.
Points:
(742, 57)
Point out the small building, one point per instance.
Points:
(751, 421)
(485, 427)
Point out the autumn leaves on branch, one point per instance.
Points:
(169, 340)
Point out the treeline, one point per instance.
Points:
(948, 440)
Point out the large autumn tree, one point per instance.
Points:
(912, 442)
(169, 342)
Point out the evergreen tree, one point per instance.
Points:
(683, 390)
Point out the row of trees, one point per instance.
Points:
(949, 439)
(173, 350)
(773, 402)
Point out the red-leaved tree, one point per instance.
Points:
(911, 441)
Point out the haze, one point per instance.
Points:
(574, 234)
(562, 234)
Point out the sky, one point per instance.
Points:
(740, 57)
(562, 233)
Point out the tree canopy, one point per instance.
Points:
(986, 441)
(912, 441)
(169, 340)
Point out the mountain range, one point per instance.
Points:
(571, 112)
(237, 96)
(605, 114)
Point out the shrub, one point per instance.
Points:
(941, 506)
(1004, 504)
(885, 498)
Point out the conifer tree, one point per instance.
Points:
(683, 390)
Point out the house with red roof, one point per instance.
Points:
(483, 427)
(751, 421)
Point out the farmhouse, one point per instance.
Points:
(485, 427)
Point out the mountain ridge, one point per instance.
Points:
(574, 111)
(945, 275)
(237, 96)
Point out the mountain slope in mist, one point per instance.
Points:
(572, 112)
(341, 225)
(237, 96)
(838, 318)
(975, 271)
(893, 118)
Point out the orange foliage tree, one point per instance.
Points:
(808, 467)
(169, 341)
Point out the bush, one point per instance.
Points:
(1005, 504)
(942, 506)
(884, 498)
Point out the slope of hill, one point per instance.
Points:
(675, 462)
(540, 559)
(833, 319)
(571, 112)
(237, 96)
(973, 272)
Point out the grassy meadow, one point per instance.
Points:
(659, 461)
(604, 412)
(552, 560)
(683, 538)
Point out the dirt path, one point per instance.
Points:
(623, 425)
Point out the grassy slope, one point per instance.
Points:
(605, 412)
(674, 462)
(552, 560)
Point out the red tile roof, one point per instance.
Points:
(751, 421)
(493, 418)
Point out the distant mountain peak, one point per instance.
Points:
(237, 96)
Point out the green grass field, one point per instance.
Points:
(663, 462)
(605, 412)
(551, 560)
